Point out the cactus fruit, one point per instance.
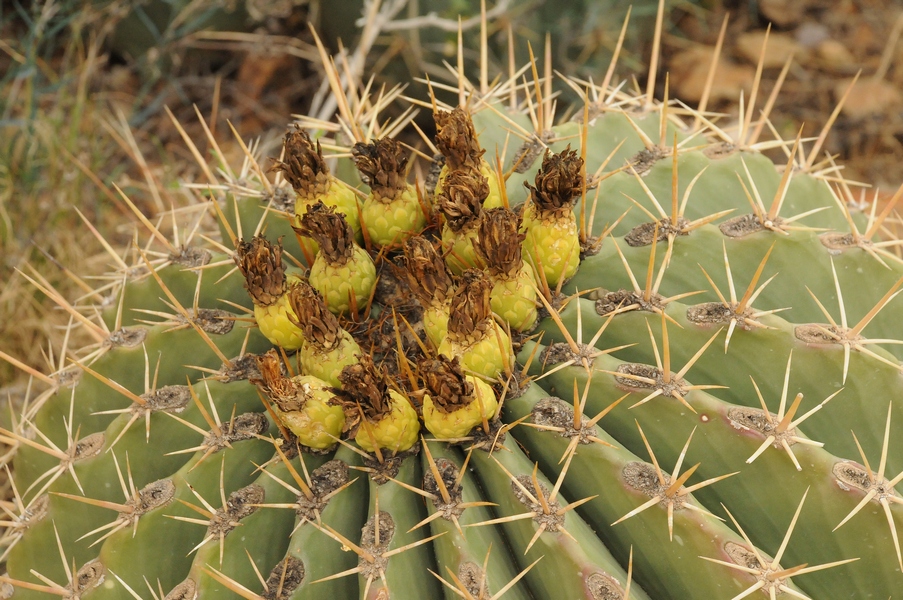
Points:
(306, 170)
(552, 242)
(513, 295)
(387, 421)
(328, 348)
(392, 212)
(461, 203)
(709, 405)
(342, 272)
(457, 140)
(429, 280)
(473, 333)
(455, 402)
(268, 284)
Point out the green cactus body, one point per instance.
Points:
(581, 567)
(730, 439)
(344, 513)
(467, 549)
(181, 278)
(157, 529)
(230, 553)
(669, 576)
(690, 433)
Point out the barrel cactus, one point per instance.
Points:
(698, 394)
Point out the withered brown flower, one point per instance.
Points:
(260, 261)
(558, 182)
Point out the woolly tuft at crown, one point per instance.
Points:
(617, 355)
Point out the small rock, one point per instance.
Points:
(835, 56)
(869, 97)
(690, 68)
(780, 47)
(810, 34)
(784, 13)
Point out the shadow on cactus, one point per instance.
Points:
(489, 383)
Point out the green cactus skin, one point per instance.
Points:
(569, 562)
(632, 312)
(722, 445)
(462, 550)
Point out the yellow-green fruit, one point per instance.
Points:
(339, 283)
(488, 357)
(318, 424)
(340, 197)
(494, 199)
(275, 325)
(554, 244)
(460, 254)
(458, 423)
(397, 431)
(514, 300)
(393, 222)
(435, 322)
(327, 365)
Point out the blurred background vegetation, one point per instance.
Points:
(85, 84)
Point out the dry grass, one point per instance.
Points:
(49, 135)
(73, 124)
